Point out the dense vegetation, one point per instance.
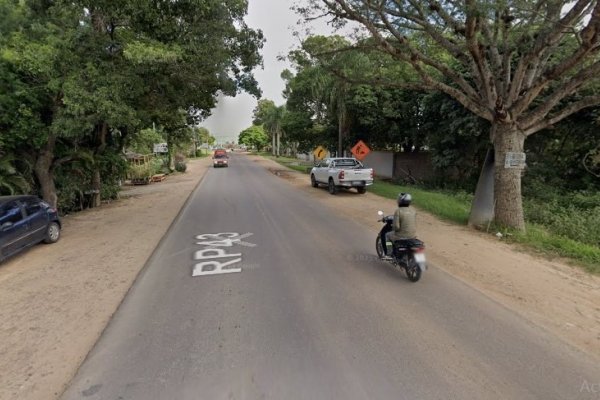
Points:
(83, 81)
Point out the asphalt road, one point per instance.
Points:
(310, 314)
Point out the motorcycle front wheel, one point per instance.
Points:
(413, 271)
(379, 247)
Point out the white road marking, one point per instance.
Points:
(213, 253)
(228, 241)
(214, 242)
(215, 267)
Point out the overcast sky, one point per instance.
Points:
(277, 21)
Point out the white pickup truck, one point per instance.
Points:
(339, 173)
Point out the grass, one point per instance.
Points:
(539, 238)
(292, 163)
(455, 207)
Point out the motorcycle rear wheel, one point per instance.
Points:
(413, 271)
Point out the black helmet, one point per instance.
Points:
(404, 199)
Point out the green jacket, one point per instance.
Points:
(405, 223)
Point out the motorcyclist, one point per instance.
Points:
(405, 222)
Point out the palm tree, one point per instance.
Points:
(272, 121)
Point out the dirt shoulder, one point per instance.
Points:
(56, 299)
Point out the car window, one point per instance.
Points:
(32, 207)
(345, 163)
(220, 156)
(11, 213)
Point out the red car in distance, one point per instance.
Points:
(220, 158)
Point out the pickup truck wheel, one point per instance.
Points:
(313, 181)
(361, 189)
(332, 188)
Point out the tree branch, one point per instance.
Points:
(550, 37)
(567, 88)
(465, 100)
(586, 102)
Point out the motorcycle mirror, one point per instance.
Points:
(380, 213)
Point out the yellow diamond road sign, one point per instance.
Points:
(320, 153)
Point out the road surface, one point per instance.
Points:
(289, 302)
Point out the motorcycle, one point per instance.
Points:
(408, 254)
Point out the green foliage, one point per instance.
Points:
(113, 169)
(86, 75)
(11, 181)
(73, 179)
(457, 139)
(180, 166)
(572, 215)
(141, 171)
(158, 165)
(555, 158)
(254, 137)
(203, 135)
(143, 142)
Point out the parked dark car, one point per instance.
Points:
(26, 221)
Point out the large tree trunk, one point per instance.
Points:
(507, 181)
(44, 171)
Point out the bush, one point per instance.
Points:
(157, 166)
(571, 221)
(141, 171)
(180, 166)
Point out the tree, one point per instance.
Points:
(521, 65)
(204, 135)
(327, 95)
(254, 136)
(270, 116)
(89, 74)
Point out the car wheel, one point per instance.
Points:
(361, 189)
(52, 233)
(331, 187)
(313, 181)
